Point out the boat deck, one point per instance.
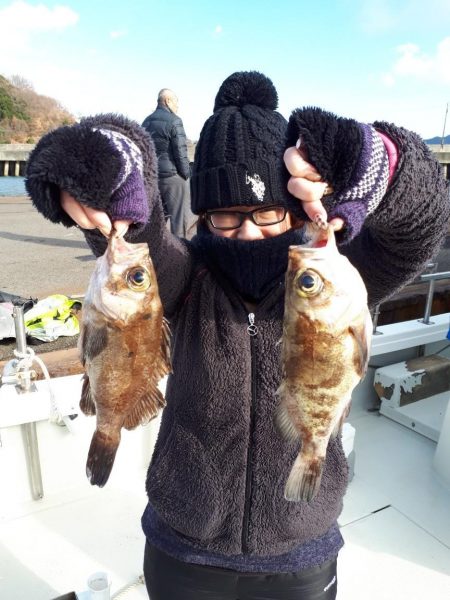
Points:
(396, 525)
(396, 517)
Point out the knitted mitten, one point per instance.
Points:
(350, 156)
(99, 167)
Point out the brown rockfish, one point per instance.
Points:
(325, 345)
(124, 347)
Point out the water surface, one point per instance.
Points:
(12, 186)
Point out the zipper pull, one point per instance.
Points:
(251, 328)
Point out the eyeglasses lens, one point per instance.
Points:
(269, 216)
(234, 219)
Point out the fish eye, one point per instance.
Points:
(309, 283)
(138, 279)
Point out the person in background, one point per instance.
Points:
(169, 137)
(217, 524)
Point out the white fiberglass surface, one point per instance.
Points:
(395, 522)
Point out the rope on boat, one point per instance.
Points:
(26, 360)
(124, 591)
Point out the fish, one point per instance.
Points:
(327, 330)
(124, 346)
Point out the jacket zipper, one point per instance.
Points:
(252, 331)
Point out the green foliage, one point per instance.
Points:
(26, 115)
(9, 106)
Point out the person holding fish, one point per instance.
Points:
(248, 474)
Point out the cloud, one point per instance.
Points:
(114, 35)
(388, 79)
(378, 16)
(218, 30)
(19, 21)
(415, 64)
(21, 25)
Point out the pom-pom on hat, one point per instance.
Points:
(239, 155)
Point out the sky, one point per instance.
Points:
(386, 60)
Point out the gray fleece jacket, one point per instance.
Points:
(218, 471)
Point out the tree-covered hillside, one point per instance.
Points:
(25, 116)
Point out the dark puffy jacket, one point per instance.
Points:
(168, 135)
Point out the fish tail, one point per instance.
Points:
(100, 460)
(304, 479)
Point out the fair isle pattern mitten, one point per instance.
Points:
(371, 174)
(350, 156)
(128, 196)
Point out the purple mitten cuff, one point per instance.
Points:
(366, 188)
(128, 198)
(129, 201)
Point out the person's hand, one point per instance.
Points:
(91, 218)
(306, 184)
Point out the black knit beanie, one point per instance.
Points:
(239, 155)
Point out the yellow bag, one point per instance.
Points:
(51, 318)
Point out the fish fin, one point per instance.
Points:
(145, 409)
(340, 423)
(284, 423)
(87, 404)
(165, 349)
(360, 335)
(304, 479)
(93, 341)
(100, 460)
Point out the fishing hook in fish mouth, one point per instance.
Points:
(116, 234)
(320, 222)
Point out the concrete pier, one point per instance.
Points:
(13, 159)
(442, 153)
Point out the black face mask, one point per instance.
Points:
(254, 267)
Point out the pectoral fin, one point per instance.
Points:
(284, 424)
(93, 341)
(87, 404)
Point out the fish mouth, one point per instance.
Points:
(317, 239)
(120, 251)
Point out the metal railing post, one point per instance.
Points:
(376, 314)
(431, 278)
(431, 267)
(29, 432)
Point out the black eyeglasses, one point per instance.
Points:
(233, 219)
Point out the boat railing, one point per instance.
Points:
(431, 276)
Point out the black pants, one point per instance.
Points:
(170, 579)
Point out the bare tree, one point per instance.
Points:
(21, 83)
